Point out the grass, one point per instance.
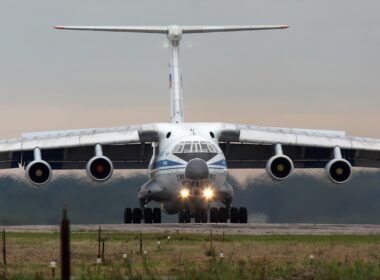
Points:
(191, 256)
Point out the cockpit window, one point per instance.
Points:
(195, 147)
(178, 148)
(212, 148)
(204, 147)
(187, 148)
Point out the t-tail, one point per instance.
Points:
(174, 34)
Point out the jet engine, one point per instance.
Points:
(338, 169)
(99, 168)
(279, 167)
(38, 172)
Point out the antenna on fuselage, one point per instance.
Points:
(174, 34)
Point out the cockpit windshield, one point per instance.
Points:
(195, 147)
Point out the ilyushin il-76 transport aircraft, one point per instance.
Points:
(187, 162)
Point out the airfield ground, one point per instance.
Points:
(265, 252)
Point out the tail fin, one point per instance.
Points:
(174, 34)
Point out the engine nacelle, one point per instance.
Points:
(338, 170)
(279, 167)
(99, 168)
(38, 172)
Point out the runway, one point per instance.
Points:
(246, 229)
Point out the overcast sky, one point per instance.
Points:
(323, 72)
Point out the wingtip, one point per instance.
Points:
(58, 27)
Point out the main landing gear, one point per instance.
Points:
(137, 215)
(217, 215)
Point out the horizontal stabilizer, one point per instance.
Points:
(207, 29)
(139, 29)
(165, 29)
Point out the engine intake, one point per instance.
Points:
(279, 167)
(38, 172)
(339, 170)
(99, 168)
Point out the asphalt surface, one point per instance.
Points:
(249, 229)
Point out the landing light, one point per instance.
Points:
(208, 193)
(184, 193)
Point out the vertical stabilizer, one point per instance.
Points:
(174, 33)
(175, 78)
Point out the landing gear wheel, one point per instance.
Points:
(198, 218)
(127, 216)
(203, 214)
(181, 216)
(186, 216)
(243, 215)
(156, 216)
(213, 215)
(136, 215)
(148, 215)
(222, 215)
(234, 215)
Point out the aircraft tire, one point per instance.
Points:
(243, 215)
(213, 215)
(127, 216)
(136, 215)
(222, 215)
(203, 216)
(234, 215)
(156, 216)
(148, 215)
(187, 216)
(181, 216)
(198, 218)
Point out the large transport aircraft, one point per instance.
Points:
(187, 162)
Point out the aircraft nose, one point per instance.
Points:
(196, 169)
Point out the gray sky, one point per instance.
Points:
(323, 72)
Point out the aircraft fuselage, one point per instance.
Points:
(187, 170)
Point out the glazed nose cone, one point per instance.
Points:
(196, 169)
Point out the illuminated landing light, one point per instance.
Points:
(208, 193)
(185, 193)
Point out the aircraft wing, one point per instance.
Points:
(248, 146)
(127, 147)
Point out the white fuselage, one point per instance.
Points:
(178, 144)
